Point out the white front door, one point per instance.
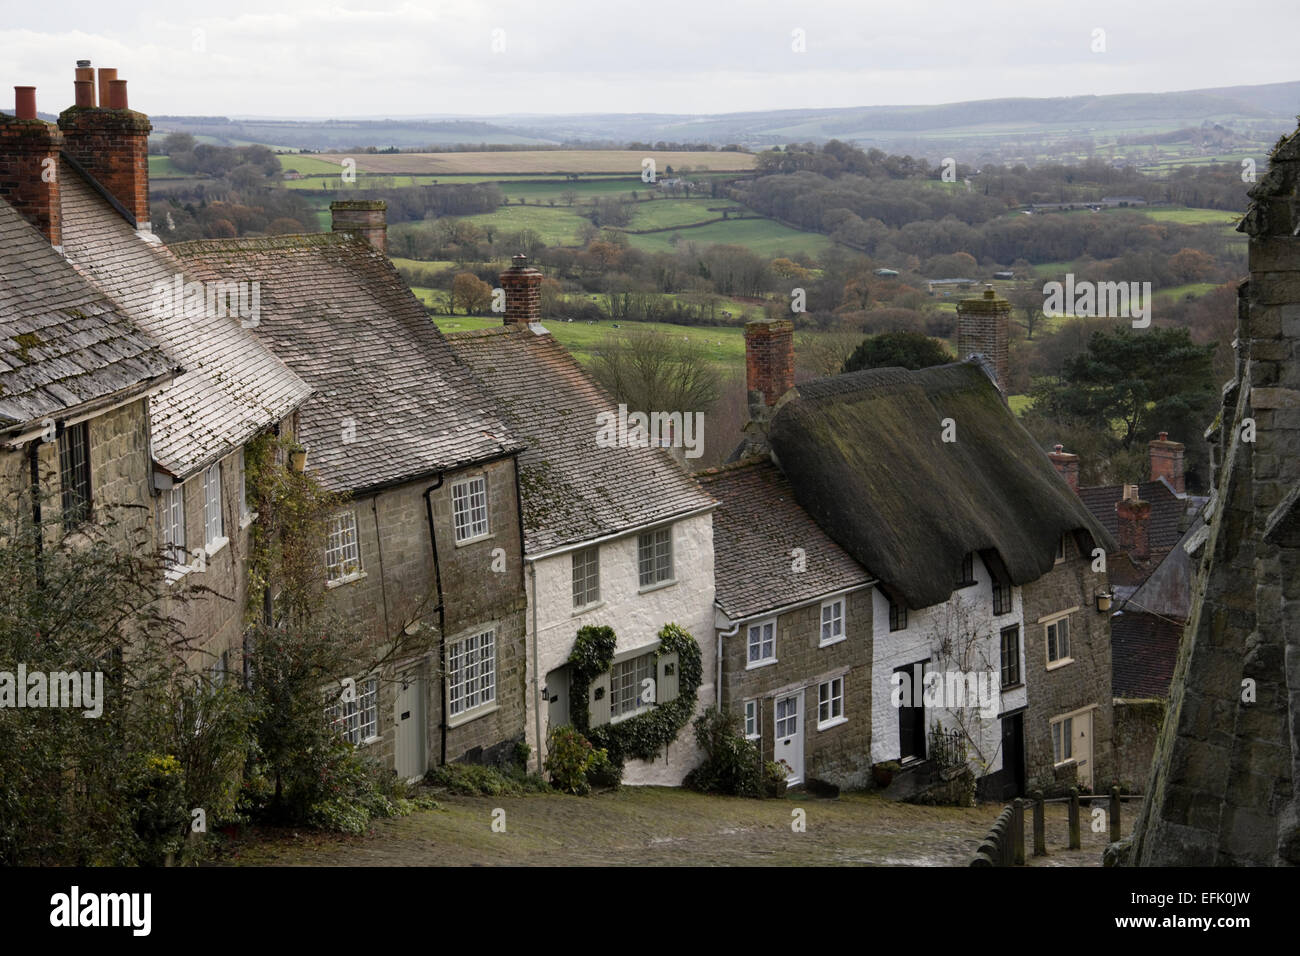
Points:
(1083, 748)
(788, 721)
(408, 714)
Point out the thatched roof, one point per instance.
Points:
(865, 456)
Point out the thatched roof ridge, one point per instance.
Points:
(865, 455)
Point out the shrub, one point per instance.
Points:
(569, 758)
(731, 763)
(470, 779)
(604, 772)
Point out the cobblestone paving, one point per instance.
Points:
(646, 826)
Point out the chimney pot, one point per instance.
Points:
(83, 64)
(84, 93)
(25, 102)
(117, 94)
(106, 75)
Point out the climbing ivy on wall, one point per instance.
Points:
(644, 736)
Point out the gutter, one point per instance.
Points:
(442, 620)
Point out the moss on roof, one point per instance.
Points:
(866, 457)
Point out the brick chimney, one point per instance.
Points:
(982, 328)
(110, 142)
(523, 288)
(1067, 465)
(1167, 461)
(367, 218)
(1134, 517)
(769, 361)
(29, 165)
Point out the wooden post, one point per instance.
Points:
(1040, 824)
(1115, 832)
(1074, 819)
(1018, 832)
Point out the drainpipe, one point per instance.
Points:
(717, 694)
(442, 619)
(537, 677)
(33, 455)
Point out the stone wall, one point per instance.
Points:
(1137, 728)
(1222, 784)
(839, 754)
(1070, 688)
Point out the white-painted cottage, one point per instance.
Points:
(614, 536)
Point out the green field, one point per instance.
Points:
(675, 213)
(160, 167)
(1191, 217)
(761, 236)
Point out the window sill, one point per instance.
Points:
(176, 572)
(646, 589)
(755, 665)
(246, 520)
(754, 737)
(577, 611)
(475, 540)
(215, 547)
(1061, 663)
(645, 709)
(834, 640)
(370, 740)
(832, 723)
(481, 711)
(346, 579)
(1007, 688)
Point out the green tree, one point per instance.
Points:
(1134, 383)
(911, 350)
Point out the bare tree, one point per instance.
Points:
(655, 371)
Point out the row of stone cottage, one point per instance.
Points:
(873, 523)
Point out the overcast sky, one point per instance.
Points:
(382, 58)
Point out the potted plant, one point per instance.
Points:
(883, 773)
(297, 458)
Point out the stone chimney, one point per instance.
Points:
(523, 288)
(1167, 461)
(1067, 466)
(29, 165)
(367, 218)
(110, 142)
(769, 362)
(982, 329)
(1134, 517)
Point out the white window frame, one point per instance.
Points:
(640, 667)
(1060, 550)
(214, 522)
(761, 661)
(352, 719)
(831, 701)
(471, 684)
(753, 712)
(469, 496)
(655, 542)
(171, 505)
(1051, 624)
(1062, 742)
(348, 552)
(590, 570)
(841, 619)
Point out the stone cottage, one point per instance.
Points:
(616, 534)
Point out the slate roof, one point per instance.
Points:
(338, 314)
(232, 387)
(62, 343)
(865, 456)
(572, 490)
(756, 527)
(1143, 653)
(1169, 513)
(1167, 590)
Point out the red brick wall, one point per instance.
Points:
(769, 358)
(24, 146)
(982, 326)
(112, 146)
(1167, 461)
(523, 288)
(1134, 527)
